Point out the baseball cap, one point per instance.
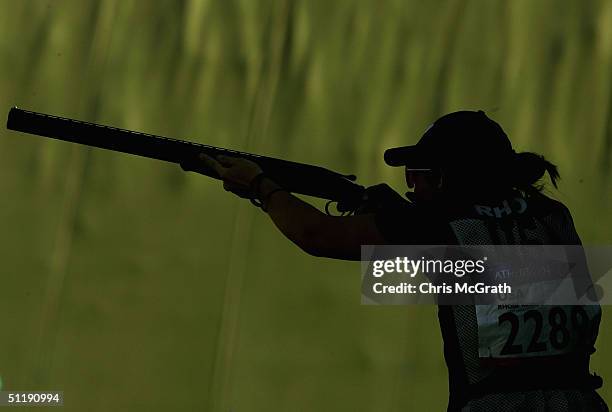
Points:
(463, 139)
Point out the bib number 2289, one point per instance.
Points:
(526, 331)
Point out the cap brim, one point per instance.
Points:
(404, 156)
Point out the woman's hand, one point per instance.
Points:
(237, 173)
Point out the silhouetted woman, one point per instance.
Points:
(469, 187)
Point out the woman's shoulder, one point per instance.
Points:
(540, 204)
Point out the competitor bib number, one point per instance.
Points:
(528, 331)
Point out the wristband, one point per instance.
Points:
(266, 199)
(255, 185)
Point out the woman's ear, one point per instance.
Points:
(440, 180)
(435, 179)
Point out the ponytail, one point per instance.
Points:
(528, 168)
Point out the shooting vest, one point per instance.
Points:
(542, 348)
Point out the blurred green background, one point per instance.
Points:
(131, 285)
